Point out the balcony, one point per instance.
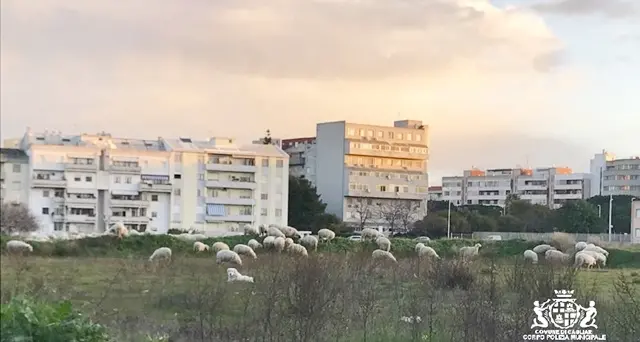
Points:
(77, 200)
(231, 200)
(387, 194)
(129, 203)
(48, 183)
(568, 186)
(80, 219)
(58, 218)
(80, 167)
(133, 169)
(153, 187)
(229, 184)
(567, 196)
(383, 153)
(231, 167)
(229, 218)
(131, 219)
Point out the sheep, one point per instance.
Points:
(186, 237)
(200, 247)
(470, 252)
(583, 259)
(132, 232)
(199, 236)
(289, 231)
(580, 246)
(530, 255)
(326, 235)
(119, 229)
(288, 242)
(161, 253)
(369, 233)
(381, 254)
(262, 229)
(556, 257)
(233, 275)
(244, 250)
(18, 247)
(601, 259)
(268, 241)
(251, 230)
(310, 241)
(297, 249)
(279, 244)
(219, 246)
(418, 246)
(428, 252)
(592, 247)
(254, 244)
(275, 232)
(383, 243)
(542, 249)
(226, 255)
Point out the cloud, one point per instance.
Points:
(609, 8)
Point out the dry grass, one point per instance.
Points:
(327, 297)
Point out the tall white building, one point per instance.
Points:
(597, 166)
(615, 176)
(545, 186)
(365, 173)
(92, 181)
(14, 175)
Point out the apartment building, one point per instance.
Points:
(302, 157)
(435, 193)
(14, 175)
(621, 177)
(365, 171)
(545, 186)
(92, 181)
(635, 220)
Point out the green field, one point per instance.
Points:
(338, 294)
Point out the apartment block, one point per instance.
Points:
(14, 175)
(365, 171)
(545, 186)
(91, 181)
(621, 177)
(635, 220)
(435, 193)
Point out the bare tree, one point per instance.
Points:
(365, 210)
(16, 217)
(391, 212)
(409, 213)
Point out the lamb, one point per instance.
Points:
(583, 259)
(268, 241)
(200, 247)
(254, 244)
(369, 233)
(229, 256)
(289, 232)
(580, 246)
(161, 253)
(542, 249)
(310, 241)
(383, 243)
(592, 247)
(601, 259)
(530, 255)
(418, 246)
(380, 254)
(428, 252)
(18, 247)
(326, 234)
(245, 250)
(279, 244)
(297, 249)
(233, 275)
(275, 232)
(219, 246)
(288, 242)
(556, 257)
(251, 230)
(470, 252)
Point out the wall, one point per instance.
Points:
(617, 238)
(330, 171)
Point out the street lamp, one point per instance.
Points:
(449, 220)
(610, 206)
(599, 210)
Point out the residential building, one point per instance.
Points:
(621, 177)
(435, 193)
(302, 157)
(92, 181)
(545, 186)
(635, 220)
(364, 172)
(14, 175)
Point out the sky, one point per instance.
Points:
(500, 83)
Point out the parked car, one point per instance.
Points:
(355, 237)
(494, 238)
(423, 239)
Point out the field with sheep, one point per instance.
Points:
(338, 293)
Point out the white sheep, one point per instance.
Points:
(275, 232)
(592, 247)
(18, 247)
(325, 234)
(199, 236)
(132, 232)
(244, 250)
(289, 231)
(369, 233)
(186, 237)
(230, 256)
(119, 229)
(233, 275)
(262, 229)
(251, 230)
(411, 319)
(583, 259)
(556, 257)
(219, 246)
(601, 259)
(428, 252)
(161, 253)
(254, 244)
(380, 254)
(297, 249)
(279, 244)
(470, 252)
(531, 256)
(200, 247)
(418, 246)
(268, 242)
(383, 243)
(542, 249)
(288, 242)
(580, 245)
(310, 241)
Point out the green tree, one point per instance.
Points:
(578, 217)
(306, 209)
(437, 206)
(433, 226)
(509, 223)
(481, 223)
(621, 212)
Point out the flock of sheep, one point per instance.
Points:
(583, 254)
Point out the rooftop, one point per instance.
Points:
(13, 153)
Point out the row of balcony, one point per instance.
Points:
(385, 194)
(92, 219)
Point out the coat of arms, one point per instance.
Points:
(563, 312)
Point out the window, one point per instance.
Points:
(17, 168)
(638, 213)
(88, 179)
(390, 135)
(263, 212)
(405, 189)
(400, 136)
(380, 134)
(117, 179)
(45, 211)
(177, 192)
(361, 132)
(397, 189)
(279, 163)
(154, 214)
(409, 136)
(264, 196)
(154, 198)
(178, 157)
(265, 162)
(77, 179)
(127, 179)
(351, 131)
(45, 193)
(278, 212)
(177, 176)
(201, 176)
(370, 133)
(383, 188)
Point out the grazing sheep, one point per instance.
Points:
(254, 244)
(584, 259)
(161, 253)
(18, 247)
(288, 242)
(132, 232)
(592, 247)
(275, 232)
(580, 246)
(418, 246)
(229, 256)
(233, 275)
(251, 230)
(289, 232)
(297, 249)
(199, 236)
(268, 242)
(428, 252)
(263, 229)
(470, 252)
(325, 234)
(556, 257)
(279, 243)
(200, 247)
(383, 243)
(119, 229)
(369, 233)
(219, 246)
(601, 259)
(310, 241)
(530, 255)
(244, 250)
(380, 254)
(186, 237)
(542, 249)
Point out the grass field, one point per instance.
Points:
(331, 296)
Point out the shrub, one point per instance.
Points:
(16, 217)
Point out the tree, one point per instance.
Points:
(408, 215)
(365, 211)
(390, 212)
(578, 217)
(435, 206)
(306, 210)
(509, 223)
(17, 218)
(481, 223)
(621, 209)
(434, 226)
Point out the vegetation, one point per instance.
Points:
(306, 209)
(16, 217)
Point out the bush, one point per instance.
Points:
(26, 320)
(16, 217)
